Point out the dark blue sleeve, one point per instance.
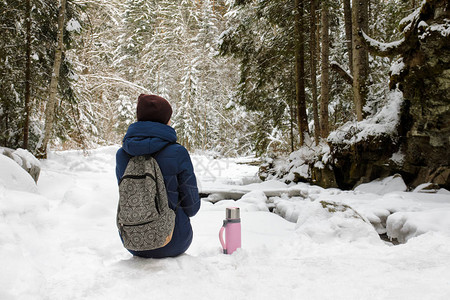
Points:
(187, 184)
(122, 159)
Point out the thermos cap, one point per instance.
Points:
(232, 213)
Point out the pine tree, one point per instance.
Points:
(299, 32)
(26, 61)
(50, 106)
(261, 36)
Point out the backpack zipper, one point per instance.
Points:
(137, 224)
(137, 177)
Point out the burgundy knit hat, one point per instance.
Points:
(153, 108)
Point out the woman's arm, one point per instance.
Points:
(187, 184)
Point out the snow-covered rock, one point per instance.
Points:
(384, 122)
(383, 186)
(325, 221)
(427, 187)
(25, 159)
(13, 176)
(406, 225)
(256, 198)
(288, 208)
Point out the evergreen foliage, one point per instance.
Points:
(260, 36)
(13, 68)
(227, 67)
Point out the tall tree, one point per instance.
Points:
(302, 117)
(313, 67)
(12, 73)
(53, 90)
(360, 56)
(348, 32)
(26, 126)
(325, 77)
(26, 61)
(261, 36)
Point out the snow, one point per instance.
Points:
(383, 47)
(405, 225)
(212, 170)
(398, 158)
(397, 67)
(349, 75)
(443, 29)
(60, 241)
(73, 25)
(425, 188)
(14, 177)
(383, 186)
(411, 17)
(25, 156)
(383, 122)
(422, 24)
(299, 161)
(334, 222)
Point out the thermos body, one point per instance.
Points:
(232, 228)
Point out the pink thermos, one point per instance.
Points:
(232, 227)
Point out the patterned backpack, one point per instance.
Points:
(144, 218)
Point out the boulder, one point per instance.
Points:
(425, 82)
(25, 159)
(422, 136)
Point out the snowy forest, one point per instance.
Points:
(324, 124)
(244, 77)
(229, 68)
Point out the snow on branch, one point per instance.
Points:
(384, 49)
(405, 23)
(119, 81)
(408, 26)
(335, 66)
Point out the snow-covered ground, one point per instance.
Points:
(59, 240)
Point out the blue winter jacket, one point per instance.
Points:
(146, 137)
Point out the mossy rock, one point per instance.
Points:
(333, 207)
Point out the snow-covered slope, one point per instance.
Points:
(61, 241)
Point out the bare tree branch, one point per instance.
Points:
(341, 71)
(383, 49)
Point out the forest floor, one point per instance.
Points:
(60, 241)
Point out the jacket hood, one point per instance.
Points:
(146, 137)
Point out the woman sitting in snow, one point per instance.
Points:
(152, 133)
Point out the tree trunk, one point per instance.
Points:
(313, 65)
(348, 33)
(325, 88)
(26, 124)
(50, 107)
(360, 56)
(205, 127)
(291, 122)
(300, 72)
